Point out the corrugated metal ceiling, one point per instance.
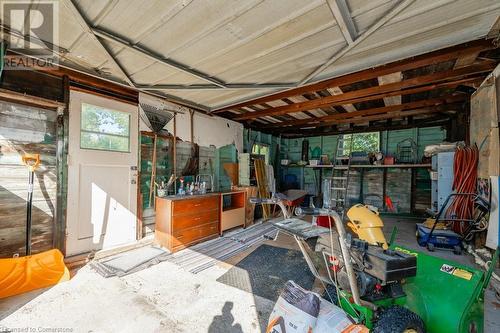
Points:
(255, 42)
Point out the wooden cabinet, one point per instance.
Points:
(181, 222)
(232, 212)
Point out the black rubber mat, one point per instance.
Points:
(265, 271)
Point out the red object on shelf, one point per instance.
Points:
(389, 160)
(389, 205)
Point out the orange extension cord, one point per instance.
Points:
(464, 181)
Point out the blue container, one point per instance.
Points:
(446, 239)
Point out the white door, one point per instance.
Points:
(102, 173)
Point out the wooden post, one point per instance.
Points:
(413, 191)
(59, 240)
(191, 112)
(174, 151)
(384, 188)
(153, 172)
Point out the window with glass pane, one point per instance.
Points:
(260, 149)
(364, 142)
(104, 129)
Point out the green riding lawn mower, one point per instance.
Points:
(387, 287)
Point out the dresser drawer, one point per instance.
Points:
(194, 219)
(195, 205)
(191, 235)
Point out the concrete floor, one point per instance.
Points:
(165, 298)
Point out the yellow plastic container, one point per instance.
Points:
(23, 274)
(367, 224)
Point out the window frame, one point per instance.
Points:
(358, 134)
(267, 156)
(82, 130)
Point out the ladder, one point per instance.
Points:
(339, 180)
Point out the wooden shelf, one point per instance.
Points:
(354, 166)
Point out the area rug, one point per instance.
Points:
(200, 257)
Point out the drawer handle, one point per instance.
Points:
(197, 218)
(196, 205)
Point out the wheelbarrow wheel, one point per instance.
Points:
(430, 247)
(397, 319)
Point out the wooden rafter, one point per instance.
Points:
(443, 55)
(473, 82)
(385, 116)
(391, 78)
(337, 91)
(438, 120)
(347, 118)
(456, 74)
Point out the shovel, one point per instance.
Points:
(22, 274)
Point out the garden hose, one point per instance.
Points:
(464, 181)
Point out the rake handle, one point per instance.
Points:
(29, 205)
(32, 161)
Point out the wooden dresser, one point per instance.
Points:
(184, 221)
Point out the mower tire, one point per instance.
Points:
(397, 319)
(331, 291)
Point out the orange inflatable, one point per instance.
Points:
(23, 274)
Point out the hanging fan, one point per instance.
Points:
(158, 118)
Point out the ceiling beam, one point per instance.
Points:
(466, 60)
(473, 81)
(229, 86)
(86, 25)
(391, 14)
(385, 116)
(151, 55)
(338, 91)
(386, 88)
(362, 114)
(342, 15)
(427, 122)
(435, 57)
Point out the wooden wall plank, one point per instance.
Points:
(26, 129)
